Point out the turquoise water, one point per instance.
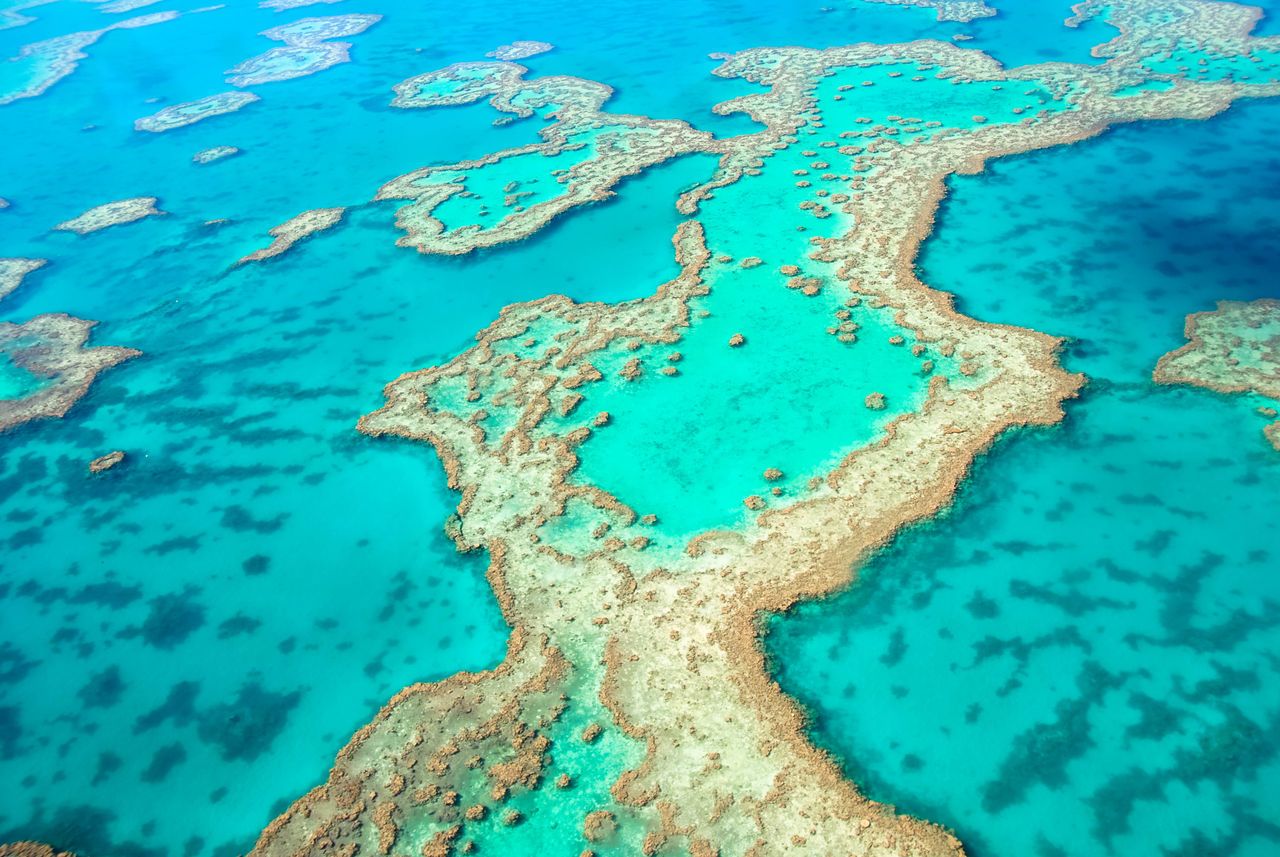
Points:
(190, 637)
(15, 381)
(1089, 636)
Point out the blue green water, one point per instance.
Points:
(1080, 657)
(189, 638)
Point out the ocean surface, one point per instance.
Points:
(1079, 658)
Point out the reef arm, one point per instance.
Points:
(52, 348)
(1233, 349)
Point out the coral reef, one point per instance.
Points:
(52, 348)
(187, 113)
(1233, 349)
(31, 849)
(285, 5)
(307, 49)
(519, 50)
(607, 148)
(105, 462)
(13, 271)
(961, 11)
(110, 214)
(669, 637)
(217, 153)
(54, 59)
(294, 230)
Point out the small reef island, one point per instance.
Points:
(641, 477)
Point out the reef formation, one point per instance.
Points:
(285, 5)
(519, 50)
(53, 59)
(294, 230)
(111, 214)
(14, 271)
(189, 112)
(307, 49)
(51, 348)
(1233, 349)
(217, 153)
(706, 753)
(960, 11)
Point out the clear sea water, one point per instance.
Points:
(186, 641)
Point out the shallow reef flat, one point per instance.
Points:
(584, 153)
(960, 11)
(308, 49)
(190, 112)
(582, 572)
(518, 50)
(47, 62)
(14, 271)
(286, 5)
(51, 350)
(1233, 349)
(111, 214)
(296, 229)
(217, 153)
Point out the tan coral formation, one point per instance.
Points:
(619, 146)
(1232, 349)
(14, 271)
(31, 849)
(217, 153)
(960, 11)
(294, 230)
(103, 463)
(286, 5)
(111, 214)
(519, 49)
(308, 49)
(51, 347)
(190, 112)
(728, 767)
(58, 57)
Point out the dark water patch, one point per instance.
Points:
(178, 707)
(1074, 602)
(173, 618)
(246, 728)
(10, 731)
(14, 664)
(239, 519)
(108, 764)
(83, 829)
(25, 538)
(237, 625)
(190, 544)
(103, 689)
(1040, 755)
(256, 564)
(163, 762)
